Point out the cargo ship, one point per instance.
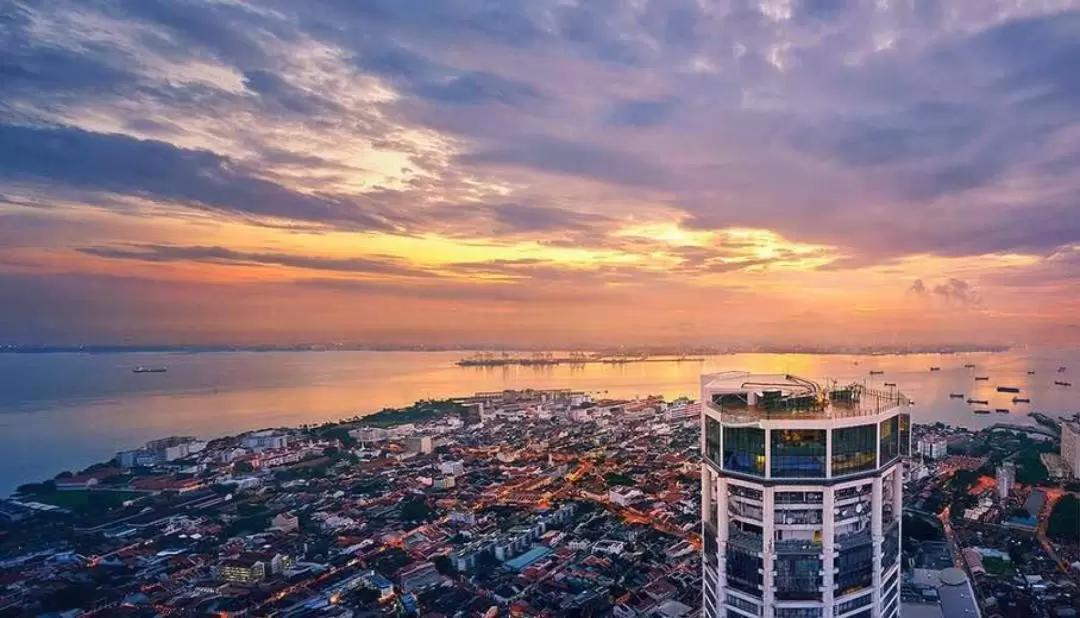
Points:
(981, 378)
(1008, 389)
(149, 370)
(1031, 373)
(890, 384)
(981, 411)
(1060, 383)
(935, 369)
(979, 401)
(956, 395)
(1001, 411)
(969, 366)
(1021, 400)
(876, 373)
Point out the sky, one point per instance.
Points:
(540, 172)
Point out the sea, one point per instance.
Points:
(65, 411)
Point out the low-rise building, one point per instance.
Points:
(418, 577)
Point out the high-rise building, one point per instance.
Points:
(802, 489)
(933, 448)
(1070, 446)
(1006, 476)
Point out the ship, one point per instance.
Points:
(956, 395)
(969, 366)
(979, 401)
(1021, 400)
(935, 369)
(1060, 383)
(1008, 389)
(1001, 411)
(1031, 373)
(981, 378)
(981, 411)
(890, 384)
(142, 369)
(876, 373)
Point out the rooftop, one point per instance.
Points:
(740, 396)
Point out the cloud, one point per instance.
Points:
(640, 113)
(220, 255)
(955, 290)
(115, 163)
(918, 288)
(571, 158)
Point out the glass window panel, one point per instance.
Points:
(712, 440)
(797, 578)
(890, 440)
(854, 449)
(905, 434)
(744, 450)
(797, 453)
(744, 571)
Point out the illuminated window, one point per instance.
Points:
(744, 450)
(798, 453)
(854, 449)
(890, 440)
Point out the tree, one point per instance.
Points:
(443, 565)
(243, 467)
(1064, 526)
(415, 509)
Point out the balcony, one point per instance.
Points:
(804, 547)
(746, 541)
(854, 539)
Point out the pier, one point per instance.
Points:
(575, 358)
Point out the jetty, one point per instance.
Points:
(546, 359)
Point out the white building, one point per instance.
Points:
(801, 497)
(1006, 477)
(446, 482)
(265, 440)
(452, 468)
(624, 496)
(420, 444)
(1070, 446)
(933, 448)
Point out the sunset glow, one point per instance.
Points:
(541, 174)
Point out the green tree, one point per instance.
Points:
(443, 565)
(1064, 526)
(415, 509)
(243, 467)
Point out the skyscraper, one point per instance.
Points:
(801, 497)
(1006, 476)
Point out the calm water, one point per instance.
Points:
(65, 411)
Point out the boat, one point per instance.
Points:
(1001, 411)
(979, 401)
(981, 378)
(141, 369)
(956, 395)
(1031, 373)
(890, 384)
(876, 373)
(935, 369)
(1021, 400)
(981, 411)
(1060, 383)
(969, 366)
(1008, 389)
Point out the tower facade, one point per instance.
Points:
(802, 488)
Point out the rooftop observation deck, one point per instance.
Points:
(742, 397)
